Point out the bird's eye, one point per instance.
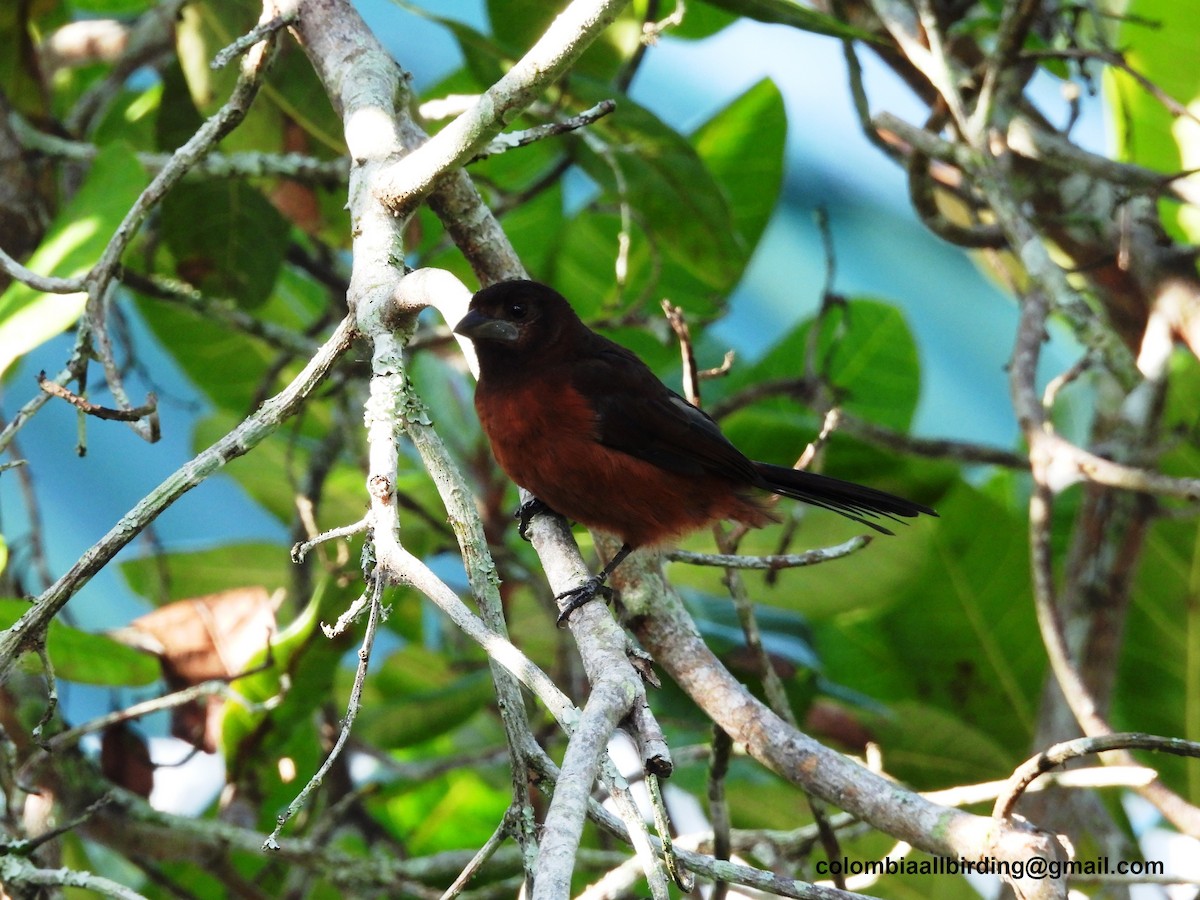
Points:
(517, 310)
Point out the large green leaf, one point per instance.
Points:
(700, 21)
(111, 7)
(458, 810)
(1158, 690)
(1159, 40)
(697, 211)
(240, 721)
(84, 657)
(864, 350)
(958, 634)
(23, 87)
(201, 572)
(680, 206)
(435, 697)
(227, 239)
(72, 245)
(743, 146)
(919, 738)
(292, 93)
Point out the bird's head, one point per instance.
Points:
(514, 316)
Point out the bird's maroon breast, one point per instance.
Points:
(545, 438)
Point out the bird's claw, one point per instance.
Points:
(527, 511)
(571, 600)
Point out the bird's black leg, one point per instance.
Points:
(573, 599)
(527, 511)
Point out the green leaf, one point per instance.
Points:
(177, 119)
(73, 244)
(791, 13)
(940, 614)
(132, 118)
(23, 87)
(292, 92)
(1158, 39)
(111, 7)
(935, 747)
(785, 633)
(744, 147)
(203, 29)
(436, 699)
(864, 350)
(84, 657)
(1157, 690)
(227, 239)
(458, 810)
(201, 572)
(697, 212)
(679, 205)
(700, 21)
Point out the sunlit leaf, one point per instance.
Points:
(865, 351)
(457, 810)
(239, 721)
(19, 68)
(1159, 40)
(72, 245)
(654, 169)
(743, 146)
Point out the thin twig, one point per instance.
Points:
(691, 377)
(241, 164)
(99, 280)
(301, 550)
(506, 141)
(352, 708)
(259, 32)
(718, 807)
(149, 409)
(1053, 757)
(682, 878)
(51, 693)
(47, 284)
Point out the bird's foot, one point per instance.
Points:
(527, 511)
(571, 600)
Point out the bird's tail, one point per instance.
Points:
(854, 501)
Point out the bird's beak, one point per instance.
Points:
(478, 327)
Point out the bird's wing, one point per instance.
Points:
(639, 415)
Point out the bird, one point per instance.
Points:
(591, 432)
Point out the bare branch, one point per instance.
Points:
(1055, 756)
